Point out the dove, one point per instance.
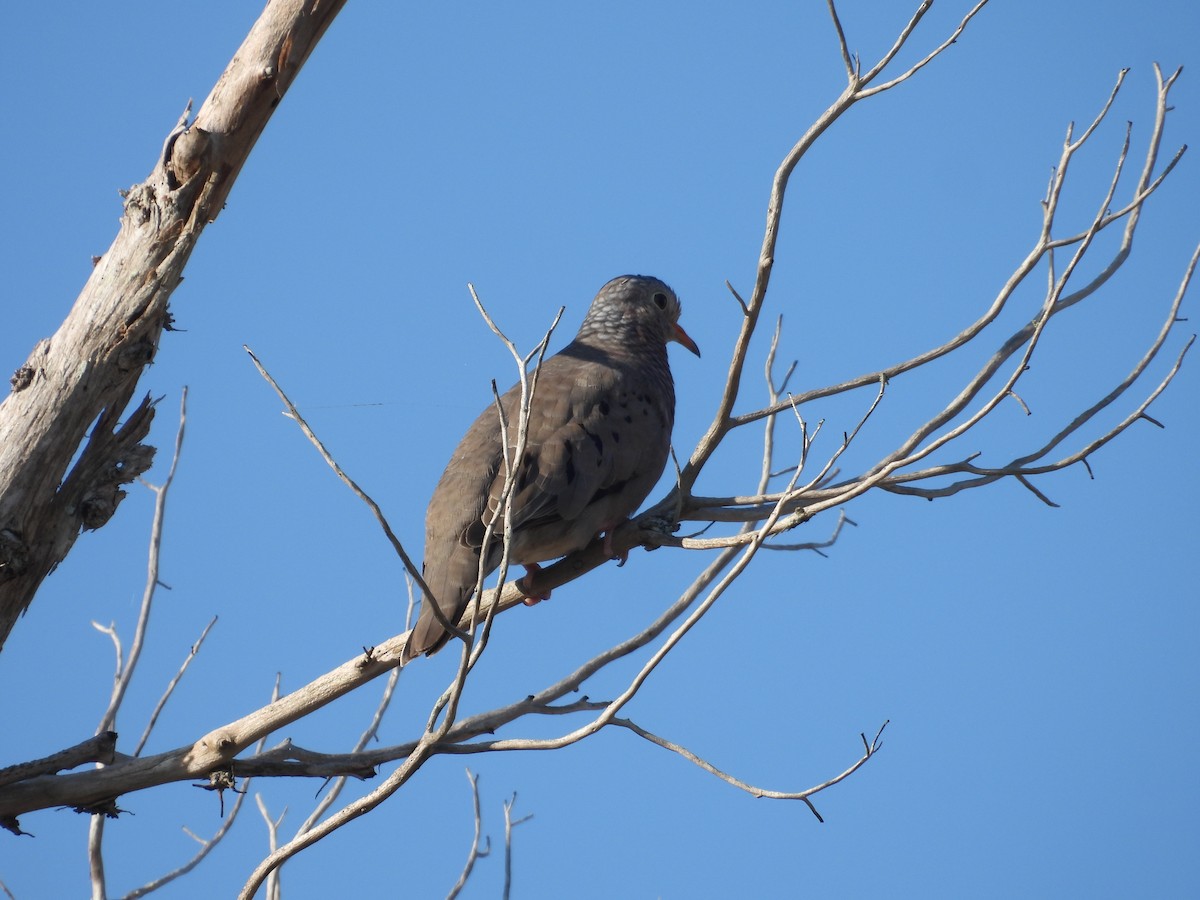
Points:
(598, 438)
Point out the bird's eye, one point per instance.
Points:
(660, 300)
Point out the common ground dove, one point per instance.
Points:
(598, 438)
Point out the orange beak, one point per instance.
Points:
(679, 336)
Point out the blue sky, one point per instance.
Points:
(1037, 665)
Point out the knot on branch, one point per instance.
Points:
(191, 152)
(653, 529)
(99, 505)
(22, 378)
(107, 808)
(31, 369)
(214, 751)
(136, 355)
(221, 779)
(103, 498)
(140, 204)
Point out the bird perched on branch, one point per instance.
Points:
(598, 437)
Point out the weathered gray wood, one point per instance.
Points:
(87, 373)
(98, 748)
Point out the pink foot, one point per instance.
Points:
(523, 582)
(621, 558)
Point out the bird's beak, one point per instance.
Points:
(681, 337)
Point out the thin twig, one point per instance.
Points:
(273, 886)
(954, 36)
(293, 413)
(207, 845)
(851, 65)
(509, 824)
(369, 734)
(108, 720)
(476, 850)
(723, 420)
(125, 671)
(174, 683)
(870, 750)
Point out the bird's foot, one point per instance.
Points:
(621, 558)
(523, 585)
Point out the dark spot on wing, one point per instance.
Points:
(614, 488)
(473, 536)
(524, 472)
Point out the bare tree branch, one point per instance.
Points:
(98, 749)
(125, 672)
(124, 675)
(88, 372)
(870, 76)
(411, 568)
(476, 850)
(365, 738)
(723, 422)
(174, 683)
(509, 824)
(207, 845)
(274, 887)
(871, 749)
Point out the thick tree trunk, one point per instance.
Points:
(88, 371)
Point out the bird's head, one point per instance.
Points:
(633, 308)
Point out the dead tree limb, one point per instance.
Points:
(87, 373)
